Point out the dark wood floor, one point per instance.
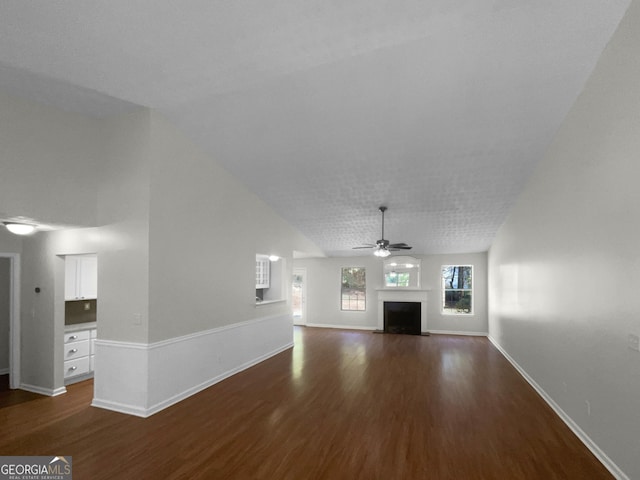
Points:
(340, 405)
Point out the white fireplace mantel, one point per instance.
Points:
(403, 295)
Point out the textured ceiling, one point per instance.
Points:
(326, 110)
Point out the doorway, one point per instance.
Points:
(10, 317)
(299, 296)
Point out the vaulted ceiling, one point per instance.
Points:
(437, 109)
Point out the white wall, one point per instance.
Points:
(562, 269)
(48, 159)
(323, 292)
(205, 231)
(10, 243)
(123, 207)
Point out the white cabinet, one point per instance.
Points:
(79, 351)
(262, 272)
(81, 277)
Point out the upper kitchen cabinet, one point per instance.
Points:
(81, 277)
(262, 271)
(270, 284)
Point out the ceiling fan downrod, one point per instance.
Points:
(382, 210)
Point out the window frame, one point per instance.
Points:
(443, 309)
(342, 309)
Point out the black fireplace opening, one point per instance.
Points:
(402, 317)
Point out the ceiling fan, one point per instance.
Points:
(382, 247)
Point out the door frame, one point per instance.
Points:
(14, 318)
(303, 272)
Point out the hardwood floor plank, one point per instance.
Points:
(340, 404)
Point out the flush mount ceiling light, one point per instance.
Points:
(20, 228)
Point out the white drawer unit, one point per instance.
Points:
(79, 366)
(77, 336)
(79, 353)
(76, 349)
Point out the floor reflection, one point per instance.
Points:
(297, 360)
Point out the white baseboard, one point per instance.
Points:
(139, 379)
(435, 332)
(119, 407)
(456, 332)
(341, 327)
(4, 371)
(575, 428)
(49, 392)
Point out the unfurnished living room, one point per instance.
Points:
(319, 240)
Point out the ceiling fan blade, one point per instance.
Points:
(364, 246)
(400, 246)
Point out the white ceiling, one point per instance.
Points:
(438, 109)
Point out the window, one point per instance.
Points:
(354, 287)
(457, 293)
(401, 272)
(396, 279)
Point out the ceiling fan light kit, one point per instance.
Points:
(381, 252)
(382, 247)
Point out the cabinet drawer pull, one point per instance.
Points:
(73, 337)
(73, 368)
(73, 350)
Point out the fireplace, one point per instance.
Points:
(402, 296)
(402, 317)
